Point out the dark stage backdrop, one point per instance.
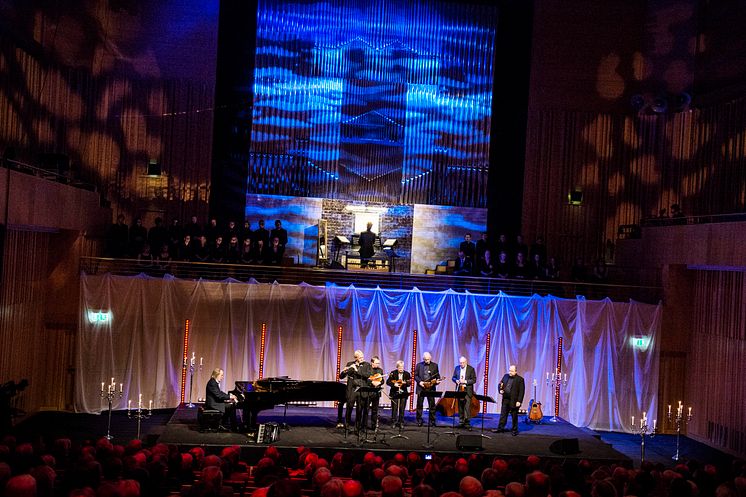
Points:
(384, 100)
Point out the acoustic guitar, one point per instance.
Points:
(534, 414)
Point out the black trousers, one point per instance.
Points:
(508, 407)
(398, 406)
(350, 403)
(430, 407)
(464, 407)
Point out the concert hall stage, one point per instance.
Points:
(316, 427)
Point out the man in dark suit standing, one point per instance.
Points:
(398, 381)
(216, 399)
(367, 241)
(464, 377)
(426, 373)
(279, 232)
(512, 389)
(352, 371)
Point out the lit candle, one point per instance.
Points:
(429, 404)
(565, 380)
(633, 421)
(690, 411)
(112, 381)
(120, 388)
(642, 423)
(534, 381)
(150, 405)
(679, 403)
(129, 404)
(669, 409)
(192, 362)
(654, 423)
(200, 363)
(139, 401)
(102, 387)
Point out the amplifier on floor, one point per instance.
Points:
(267, 433)
(469, 442)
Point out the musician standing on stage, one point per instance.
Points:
(398, 381)
(512, 388)
(352, 371)
(426, 373)
(464, 377)
(375, 380)
(215, 399)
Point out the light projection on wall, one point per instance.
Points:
(383, 100)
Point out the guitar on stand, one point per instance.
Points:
(534, 410)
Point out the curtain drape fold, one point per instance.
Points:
(610, 376)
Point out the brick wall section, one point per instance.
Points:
(396, 222)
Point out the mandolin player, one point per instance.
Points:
(375, 380)
(464, 377)
(427, 377)
(398, 382)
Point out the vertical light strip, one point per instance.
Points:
(486, 373)
(414, 363)
(559, 378)
(184, 359)
(339, 357)
(261, 350)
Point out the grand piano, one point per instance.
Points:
(255, 396)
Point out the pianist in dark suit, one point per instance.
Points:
(216, 399)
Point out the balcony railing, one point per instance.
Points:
(371, 279)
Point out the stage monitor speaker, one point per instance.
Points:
(565, 446)
(469, 442)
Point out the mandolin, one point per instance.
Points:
(535, 413)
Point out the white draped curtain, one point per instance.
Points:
(610, 376)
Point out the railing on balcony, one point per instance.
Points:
(371, 279)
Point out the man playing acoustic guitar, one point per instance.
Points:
(427, 376)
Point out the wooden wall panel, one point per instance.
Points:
(714, 378)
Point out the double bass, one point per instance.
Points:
(449, 406)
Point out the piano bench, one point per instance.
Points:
(209, 419)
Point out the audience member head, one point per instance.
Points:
(424, 490)
(603, 488)
(21, 486)
(332, 488)
(537, 484)
(470, 487)
(391, 486)
(352, 488)
(128, 488)
(515, 489)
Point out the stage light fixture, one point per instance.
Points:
(575, 197)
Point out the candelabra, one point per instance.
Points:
(139, 414)
(109, 392)
(642, 430)
(555, 381)
(679, 420)
(192, 367)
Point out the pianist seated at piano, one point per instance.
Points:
(220, 401)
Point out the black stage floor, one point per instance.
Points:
(179, 426)
(316, 427)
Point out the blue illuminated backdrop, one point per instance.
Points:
(373, 100)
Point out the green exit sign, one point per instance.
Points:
(99, 317)
(641, 343)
